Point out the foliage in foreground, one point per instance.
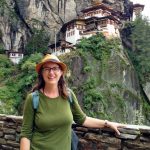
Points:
(17, 82)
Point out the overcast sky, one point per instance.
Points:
(146, 11)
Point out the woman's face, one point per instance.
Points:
(51, 73)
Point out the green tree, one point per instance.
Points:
(6, 67)
(38, 42)
(18, 81)
(2, 51)
(140, 54)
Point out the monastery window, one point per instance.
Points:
(79, 27)
(103, 23)
(100, 11)
(19, 54)
(103, 12)
(13, 54)
(80, 32)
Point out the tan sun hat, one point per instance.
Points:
(51, 58)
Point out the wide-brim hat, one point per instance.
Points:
(51, 58)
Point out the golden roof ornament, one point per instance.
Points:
(96, 2)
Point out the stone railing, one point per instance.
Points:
(132, 137)
(10, 127)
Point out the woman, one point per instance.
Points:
(50, 127)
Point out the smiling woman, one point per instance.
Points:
(51, 73)
(49, 127)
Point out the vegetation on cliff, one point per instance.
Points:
(137, 43)
(138, 34)
(104, 92)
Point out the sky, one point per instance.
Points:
(146, 11)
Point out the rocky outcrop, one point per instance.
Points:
(132, 137)
(147, 90)
(112, 90)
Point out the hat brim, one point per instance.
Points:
(62, 65)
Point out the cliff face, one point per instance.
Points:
(18, 17)
(111, 92)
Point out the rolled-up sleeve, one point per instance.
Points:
(78, 115)
(28, 116)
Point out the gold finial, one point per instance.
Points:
(96, 2)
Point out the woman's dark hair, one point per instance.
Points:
(62, 88)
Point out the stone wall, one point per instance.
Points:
(10, 127)
(132, 137)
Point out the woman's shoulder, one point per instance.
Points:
(70, 91)
(29, 96)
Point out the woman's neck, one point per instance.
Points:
(50, 91)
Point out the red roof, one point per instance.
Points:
(138, 5)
